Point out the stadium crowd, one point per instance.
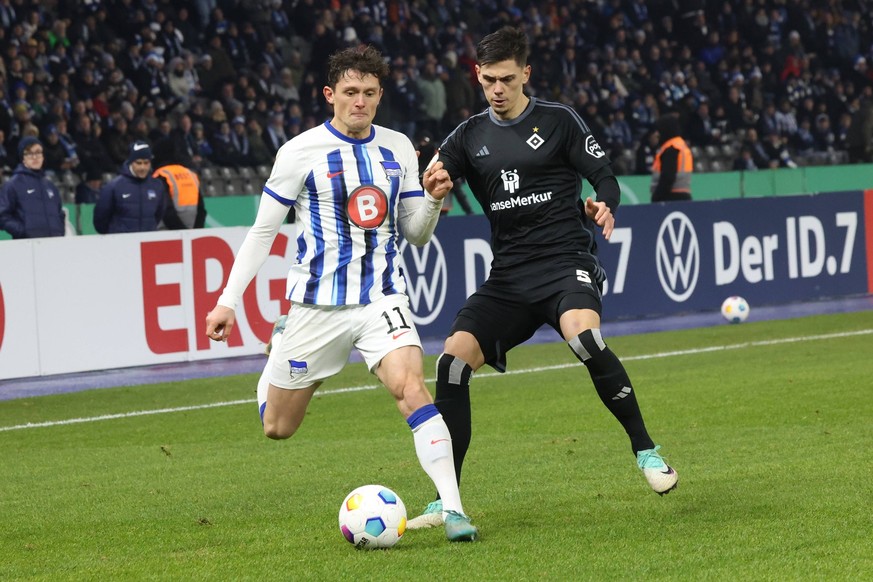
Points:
(223, 83)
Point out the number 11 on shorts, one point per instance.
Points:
(396, 330)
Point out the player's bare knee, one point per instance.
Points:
(278, 430)
(464, 347)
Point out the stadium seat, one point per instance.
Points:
(249, 188)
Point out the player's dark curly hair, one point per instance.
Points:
(364, 59)
(503, 45)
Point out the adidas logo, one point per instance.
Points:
(623, 393)
(483, 152)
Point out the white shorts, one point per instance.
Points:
(318, 339)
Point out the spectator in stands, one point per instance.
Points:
(460, 95)
(94, 154)
(702, 130)
(223, 151)
(285, 88)
(117, 139)
(803, 141)
(133, 201)
(744, 161)
(823, 135)
(182, 81)
(275, 136)
(759, 154)
(242, 146)
(6, 160)
(83, 56)
(645, 154)
(54, 153)
(30, 205)
(432, 97)
(402, 96)
(202, 146)
(88, 190)
(841, 132)
(260, 153)
(859, 138)
(777, 152)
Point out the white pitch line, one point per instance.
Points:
(657, 355)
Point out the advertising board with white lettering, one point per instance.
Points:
(680, 257)
(102, 302)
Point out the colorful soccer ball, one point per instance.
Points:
(735, 309)
(371, 517)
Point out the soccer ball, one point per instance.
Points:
(371, 517)
(735, 309)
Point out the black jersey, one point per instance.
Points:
(527, 175)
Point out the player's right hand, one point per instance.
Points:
(219, 323)
(436, 179)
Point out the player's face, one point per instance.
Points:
(503, 83)
(354, 99)
(140, 168)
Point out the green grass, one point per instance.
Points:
(771, 441)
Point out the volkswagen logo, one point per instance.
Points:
(677, 256)
(426, 279)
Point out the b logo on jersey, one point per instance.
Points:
(592, 147)
(367, 207)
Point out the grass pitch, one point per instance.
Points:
(769, 425)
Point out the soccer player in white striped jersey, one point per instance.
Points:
(355, 188)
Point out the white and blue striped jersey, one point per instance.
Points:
(349, 196)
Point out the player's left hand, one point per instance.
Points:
(436, 179)
(600, 213)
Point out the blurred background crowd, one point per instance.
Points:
(223, 83)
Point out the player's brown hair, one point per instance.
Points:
(363, 59)
(505, 44)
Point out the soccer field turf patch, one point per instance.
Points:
(767, 423)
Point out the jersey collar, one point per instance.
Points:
(509, 122)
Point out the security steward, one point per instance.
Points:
(187, 209)
(673, 165)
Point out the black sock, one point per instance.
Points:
(453, 402)
(613, 385)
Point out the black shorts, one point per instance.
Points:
(504, 313)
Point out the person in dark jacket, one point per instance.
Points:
(30, 205)
(133, 201)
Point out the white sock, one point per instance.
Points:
(433, 445)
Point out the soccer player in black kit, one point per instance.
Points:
(524, 160)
